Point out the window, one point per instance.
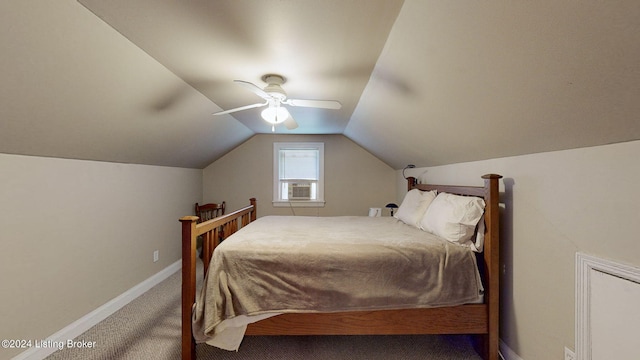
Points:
(298, 171)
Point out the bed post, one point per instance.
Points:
(252, 201)
(411, 182)
(492, 262)
(188, 284)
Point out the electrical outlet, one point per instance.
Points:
(156, 254)
(568, 354)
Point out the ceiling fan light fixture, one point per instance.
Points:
(275, 114)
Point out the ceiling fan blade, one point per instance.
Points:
(241, 108)
(254, 88)
(290, 122)
(325, 104)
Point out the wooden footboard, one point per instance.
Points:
(482, 319)
(211, 232)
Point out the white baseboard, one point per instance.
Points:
(507, 353)
(83, 324)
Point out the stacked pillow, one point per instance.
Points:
(414, 206)
(449, 216)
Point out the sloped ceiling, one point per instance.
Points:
(422, 82)
(490, 79)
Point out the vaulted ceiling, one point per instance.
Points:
(422, 82)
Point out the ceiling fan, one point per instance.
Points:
(275, 97)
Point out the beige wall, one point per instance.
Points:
(556, 204)
(355, 180)
(76, 234)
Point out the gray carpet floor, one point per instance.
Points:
(149, 328)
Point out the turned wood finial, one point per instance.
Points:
(491, 176)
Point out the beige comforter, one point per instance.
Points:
(281, 264)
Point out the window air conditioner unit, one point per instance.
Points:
(300, 191)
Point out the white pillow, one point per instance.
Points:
(454, 218)
(413, 206)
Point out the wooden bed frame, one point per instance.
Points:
(481, 319)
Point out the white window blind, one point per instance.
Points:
(298, 174)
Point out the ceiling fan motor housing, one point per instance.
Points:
(273, 87)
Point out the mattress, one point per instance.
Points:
(295, 264)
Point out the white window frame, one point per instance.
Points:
(277, 201)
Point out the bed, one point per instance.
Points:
(475, 311)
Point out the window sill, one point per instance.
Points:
(299, 203)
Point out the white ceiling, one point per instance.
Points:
(422, 82)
